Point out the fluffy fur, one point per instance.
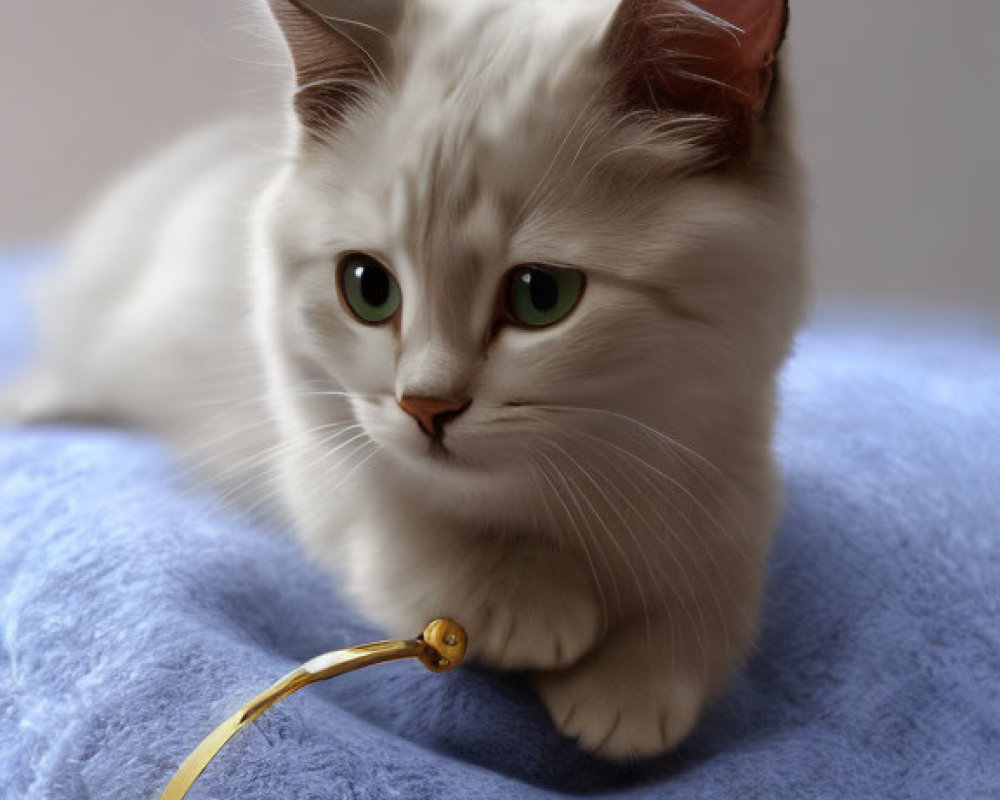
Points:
(605, 506)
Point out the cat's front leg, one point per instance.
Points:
(640, 693)
(525, 603)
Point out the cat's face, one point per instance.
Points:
(492, 237)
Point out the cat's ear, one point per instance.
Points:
(340, 49)
(707, 57)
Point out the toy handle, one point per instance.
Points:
(440, 648)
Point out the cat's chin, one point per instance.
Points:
(471, 489)
(435, 455)
(456, 459)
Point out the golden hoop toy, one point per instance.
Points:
(441, 647)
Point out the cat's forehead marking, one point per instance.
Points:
(465, 113)
(450, 229)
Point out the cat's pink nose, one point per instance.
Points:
(433, 413)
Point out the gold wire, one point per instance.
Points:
(441, 647)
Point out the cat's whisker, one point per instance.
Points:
(199, 463)
(361, 454)
(655, 571)
(190, 467)
(349, 474)
(626, 561)
(683, 542)
(330, 432)
(319, 462)
(723, 492)
(196, 461)
(271, 455)
(253, 460)
(319, 483)
(572, 492)
(609, 504)
(667, 440)
(692, 559)
(371, 63)
(539, 470)
(659, 489)
(637, 147)
(344, 395)
(372, 449)
(723, 530)
(681, 449)
(585, 108)
(630, 504)
(218, 382)
(588, 133)
(224, 404)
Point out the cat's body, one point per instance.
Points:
(600, 505)
(138, 331)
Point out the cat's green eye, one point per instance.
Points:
(369, 290)
(538, 296)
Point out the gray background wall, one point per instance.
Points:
(899, 104)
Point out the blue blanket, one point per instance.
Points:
(135, 616)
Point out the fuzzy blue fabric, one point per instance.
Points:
(134, 618)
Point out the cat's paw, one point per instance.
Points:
(528, 606)
(525, 604)
(620, 709)
(543, 621)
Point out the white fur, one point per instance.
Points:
(608, 531)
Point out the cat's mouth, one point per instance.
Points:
(438, 450)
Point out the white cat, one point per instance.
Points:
(499, 326)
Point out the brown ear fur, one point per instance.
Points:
(716, 58)
(332, 71)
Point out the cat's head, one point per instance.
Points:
(499, 210)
